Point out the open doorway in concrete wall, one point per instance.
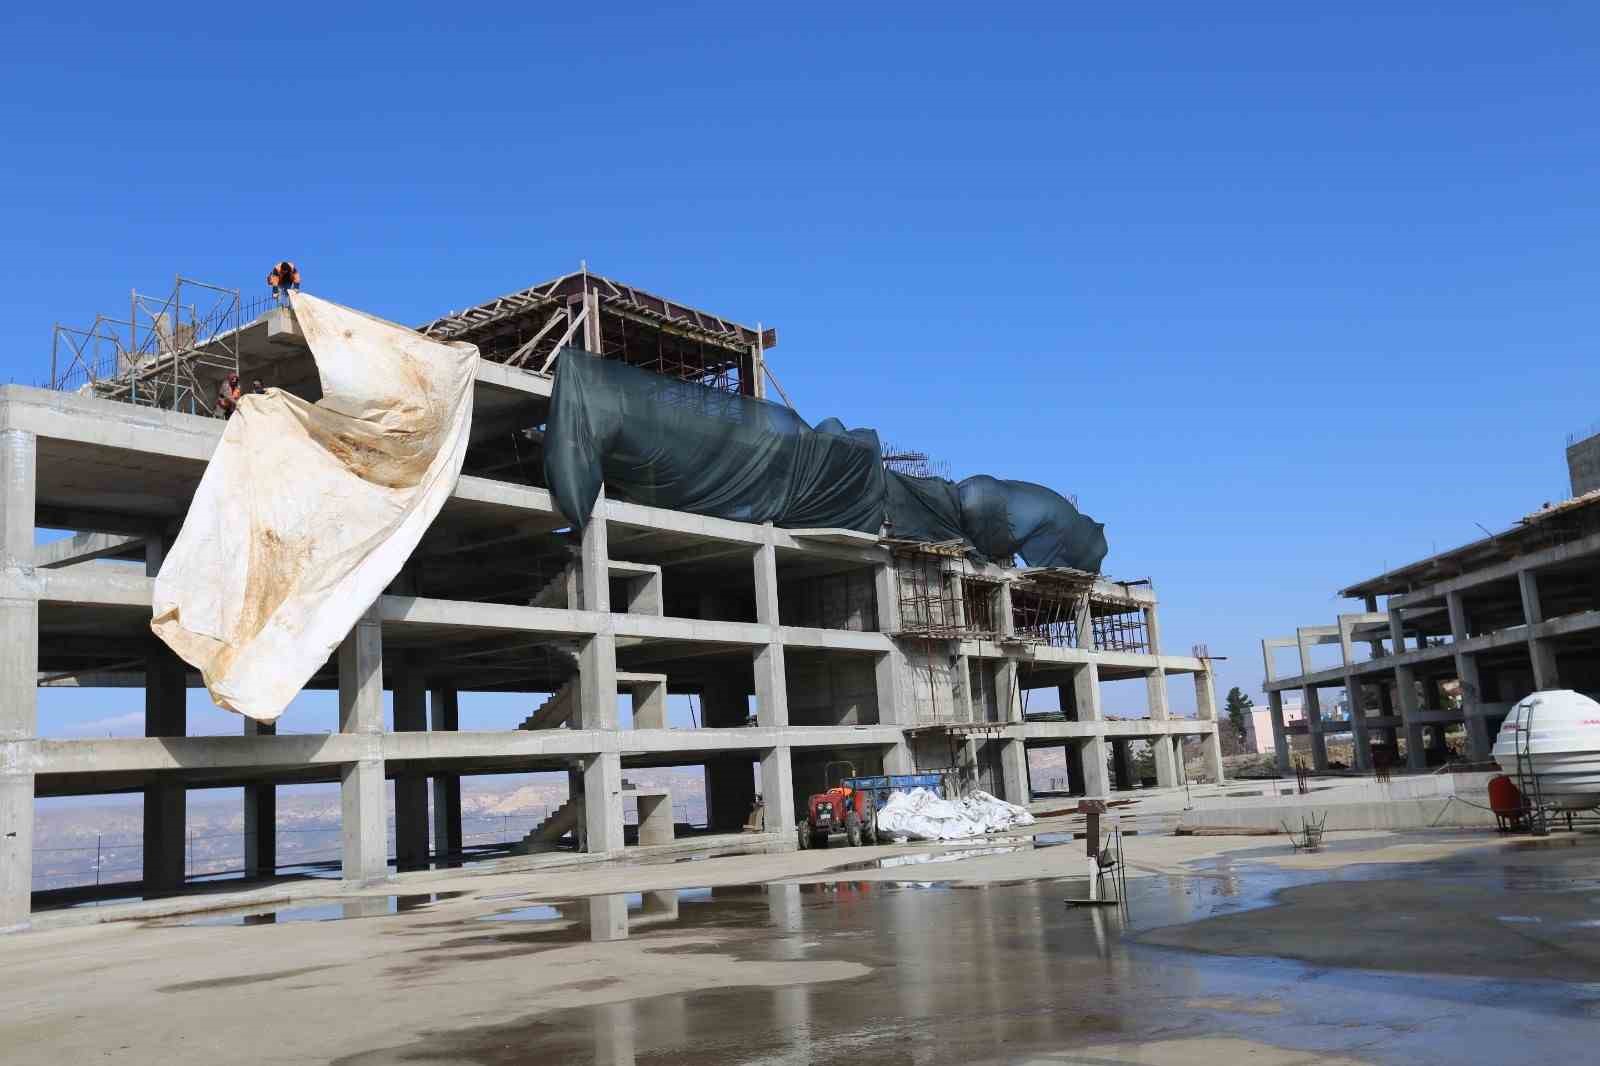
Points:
(732, 782)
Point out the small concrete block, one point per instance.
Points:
(608, 917)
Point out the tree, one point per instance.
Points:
(1239, 709)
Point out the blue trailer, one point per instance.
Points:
(882, 785)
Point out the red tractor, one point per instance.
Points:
(841, 809)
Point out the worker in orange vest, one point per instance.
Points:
(283, 277)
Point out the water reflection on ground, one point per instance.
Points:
(1005, 973)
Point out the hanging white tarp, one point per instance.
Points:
(308, 510)
(921, 815)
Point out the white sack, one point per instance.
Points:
(921, 815)
(307, 511)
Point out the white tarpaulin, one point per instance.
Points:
(308, 510)
(922, 815)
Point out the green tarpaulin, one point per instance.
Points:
(655, 440)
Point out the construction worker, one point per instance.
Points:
(228, 394)
(283, 277)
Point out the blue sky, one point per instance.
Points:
(1283, 296)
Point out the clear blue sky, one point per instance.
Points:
(1283, 297)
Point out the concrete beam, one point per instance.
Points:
(83, 548)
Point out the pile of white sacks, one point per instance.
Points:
(922, 815)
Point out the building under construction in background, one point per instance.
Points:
(801, 646)
(1460, 637)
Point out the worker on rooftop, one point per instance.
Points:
(282, 278)
(228, 394)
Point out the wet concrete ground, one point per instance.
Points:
(1489, 954)
(1007, 972)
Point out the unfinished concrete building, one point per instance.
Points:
(1458, 639)
(802, 645)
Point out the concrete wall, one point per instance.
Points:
(1583, 465)
(928, 684)
(1426, 802)
(829, 689)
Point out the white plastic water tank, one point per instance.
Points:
(1556, 736)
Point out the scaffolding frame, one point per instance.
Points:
(1119, 625)
(929, 579)
(1046, 605)
(168, 353)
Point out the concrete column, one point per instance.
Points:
(777, 790)
(1211, 749)
(1405, 690)
(1319, 745)
(1280, 735)
(164, 800)
(1205, 694)
(1124, 774)
(1072, 755)
(1092, 758)
(964, 708)
(1067, 700)
(1007, 691)
(888, 668)
(592, 339)
(1360, 738)
(410, 789)
(1540, 652)
(655, 819)
(597, 658)
(1152, 628)
(260, 815)
(445, 708)
(955, 595)
(364, 822)
(602, 802)
(1005, 622)
(165, 715)
(1014, 772)
(1155, 682)
(1471, 684)
(772, 696)
(1086, 693)
(19, 672)
(1083, 623)
(1167, 770)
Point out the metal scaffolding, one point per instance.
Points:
(169, 352)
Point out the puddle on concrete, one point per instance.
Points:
(360, 907)
(892, 862)
(1009, 973)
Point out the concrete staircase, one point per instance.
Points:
(641, 584)
(544, 836)
(649, 692)
(556, 711)
(560, 592)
